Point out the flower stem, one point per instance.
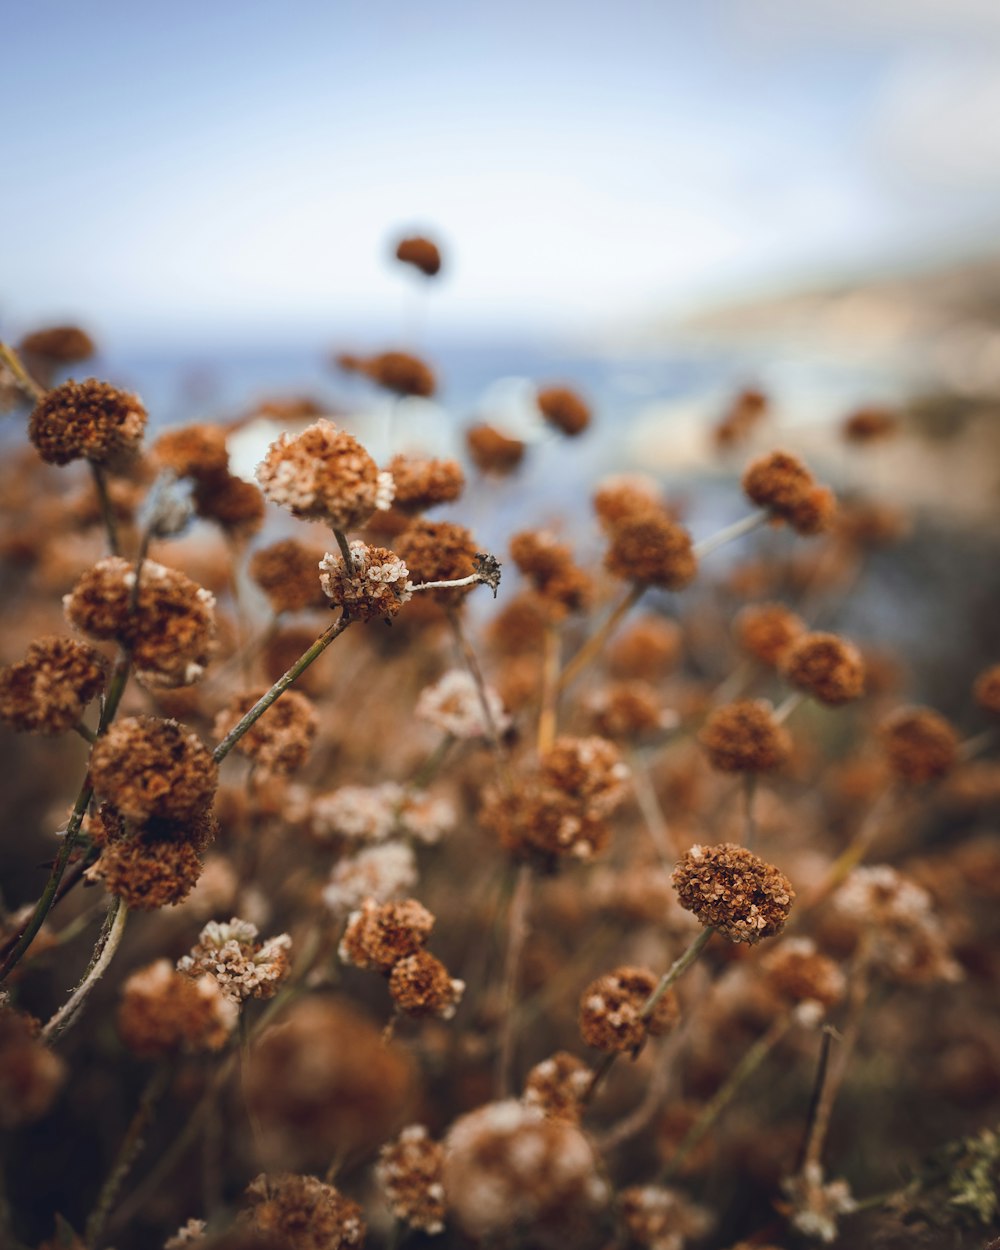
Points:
(749, 816)
(22, 377)
(107, 508)
(548, 716)
(104, 952)
(592, 647)
(517, 932)
(730, 532)
(280, 686)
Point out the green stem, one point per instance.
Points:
(107, 508)
(107, 944)
(279, 687)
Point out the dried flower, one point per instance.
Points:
(147, 871)
(625, 496)
(150, 767)
(661, 1219)
(377, 586)
(49, 689)
(987, 690)
(420, 985)
(767, 630)
(648, 648)
(747, 410)
(744, 737)
(870, 425)
(87, 421)
(162, 1012)
(491, 450)
(630, 710)
(534, 820)
(190, 1234)
(59, 345)
(733, 891)
(288, 573)
(304, 1213)
(557, 1086)
(422, 484)
(796, 971)
(198, 451)
(280, 740)
(453, 705)
(362, 813)
(237, 506)
(561, 585)
(379, 935)
(509, 1168)
(380, 872)
(171, 631)
(827, 667)
(401, 373)
(243, 966)
(590, 770)
(420, 252)
(31, 1075)
(782, 484)
(919, 743)
(652, 549)
(439, 551)
(410, 1171)
(564, 409)
(814, 1205)
(611, 1011)
(324, 474)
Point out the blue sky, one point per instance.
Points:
(225, 169)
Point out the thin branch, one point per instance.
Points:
(726, 535)
(107, 508)
(517, 933)
(21, 376)
(67, 1013)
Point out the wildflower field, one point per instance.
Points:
(620, 884)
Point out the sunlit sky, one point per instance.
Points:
(221, 168)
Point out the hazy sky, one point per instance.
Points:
(229, 168)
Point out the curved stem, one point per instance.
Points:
(592, 647)
(67, 1013)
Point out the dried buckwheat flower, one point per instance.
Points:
(279, 742)
(380, 872)
(420, 985)
(410, 1171)
(814, 1205)
(163, 1012)
(422, 484)
(420, 252)
(235, 505)
(379, 935)
(150, 767)
(171, 631)
(324, 474)
(49, 689)
(243, 966)
(744, 737)
(492, 451)
(782, 484)
(533, 820)
(304, 1213)
(648, 648)
(625, 496)
(919, 744)
(87, 421)
(437, 551)
(557, 1086)
(564, 409)
(31, 1075)
(453, 704)
(652, 549)
(362, 813)
(401, 373)
(197, 451)
(377, 586)
(661, 1219)
(611, 1011)
(827, 667)
(630, 710)
(798, 972)
(869, 425)
(288, 573)
(767, 630)
(733, 891)
(590, 770)
(58, 345)
(148, 872)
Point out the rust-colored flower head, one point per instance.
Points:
(322, 1080)
(302, 1213)
(799, 974)
(87, 421)
(423, 484)
(379, 935)
(492, 451)
(611, 1011)
(653, 550)
(630, 710)
(155, 865)
(421, 253)
(279, 742)
(782, 484)
(410, 1172)
(658, 1217)
(197, 451)
(747, 410)
(170, 632)
(868, 523)
(437, 551)
(733, 891)
(508, 1167)
(987, 690)
(564, 409)
(235, 505)
(626, 495)
(870, 425)
(767, 630)
(919, 744)
(744, 737)
(49, 689)
(557, 1086)
(58, 345)
(402, 373)
(150, 767)
(324, 474)
(561, 585)
(421, 985)
(288, 573)
(542, 822)
(163, 1012)
(31, 1075)
(648, 648)
(827, 667)
(375, 589)
(589, 770)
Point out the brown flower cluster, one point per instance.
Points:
(744, 737)
(798, 973)
(919, 744)
(170, 630)
(31, 1075)
(648, 648)
(767, 630)
(589, 769)
(402, 373)
(629, 710)
(288, 573)
(303, 1213)
(280, 741)
(149, 768)
(827, 667)
(410, 1171)
(782, 484)
(422, 484)
(375, 589)
(58, 345)
(163, 1012)
(737, 423)
(492, 451)
(870, 425)
(649, 547)
(379, 935)
(733, 891)
(49, 689)
(439, 551)
(234, 956)
(324, 474)
(151, 863)
(421, 252)
(612, 1015)
(87, 421)
(561, 585)
(987, 690)
(557, 1086)
(564, 409)
(198, 451)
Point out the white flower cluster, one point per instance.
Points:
(453, 704)
(242, 966)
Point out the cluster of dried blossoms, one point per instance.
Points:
(657, 848)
